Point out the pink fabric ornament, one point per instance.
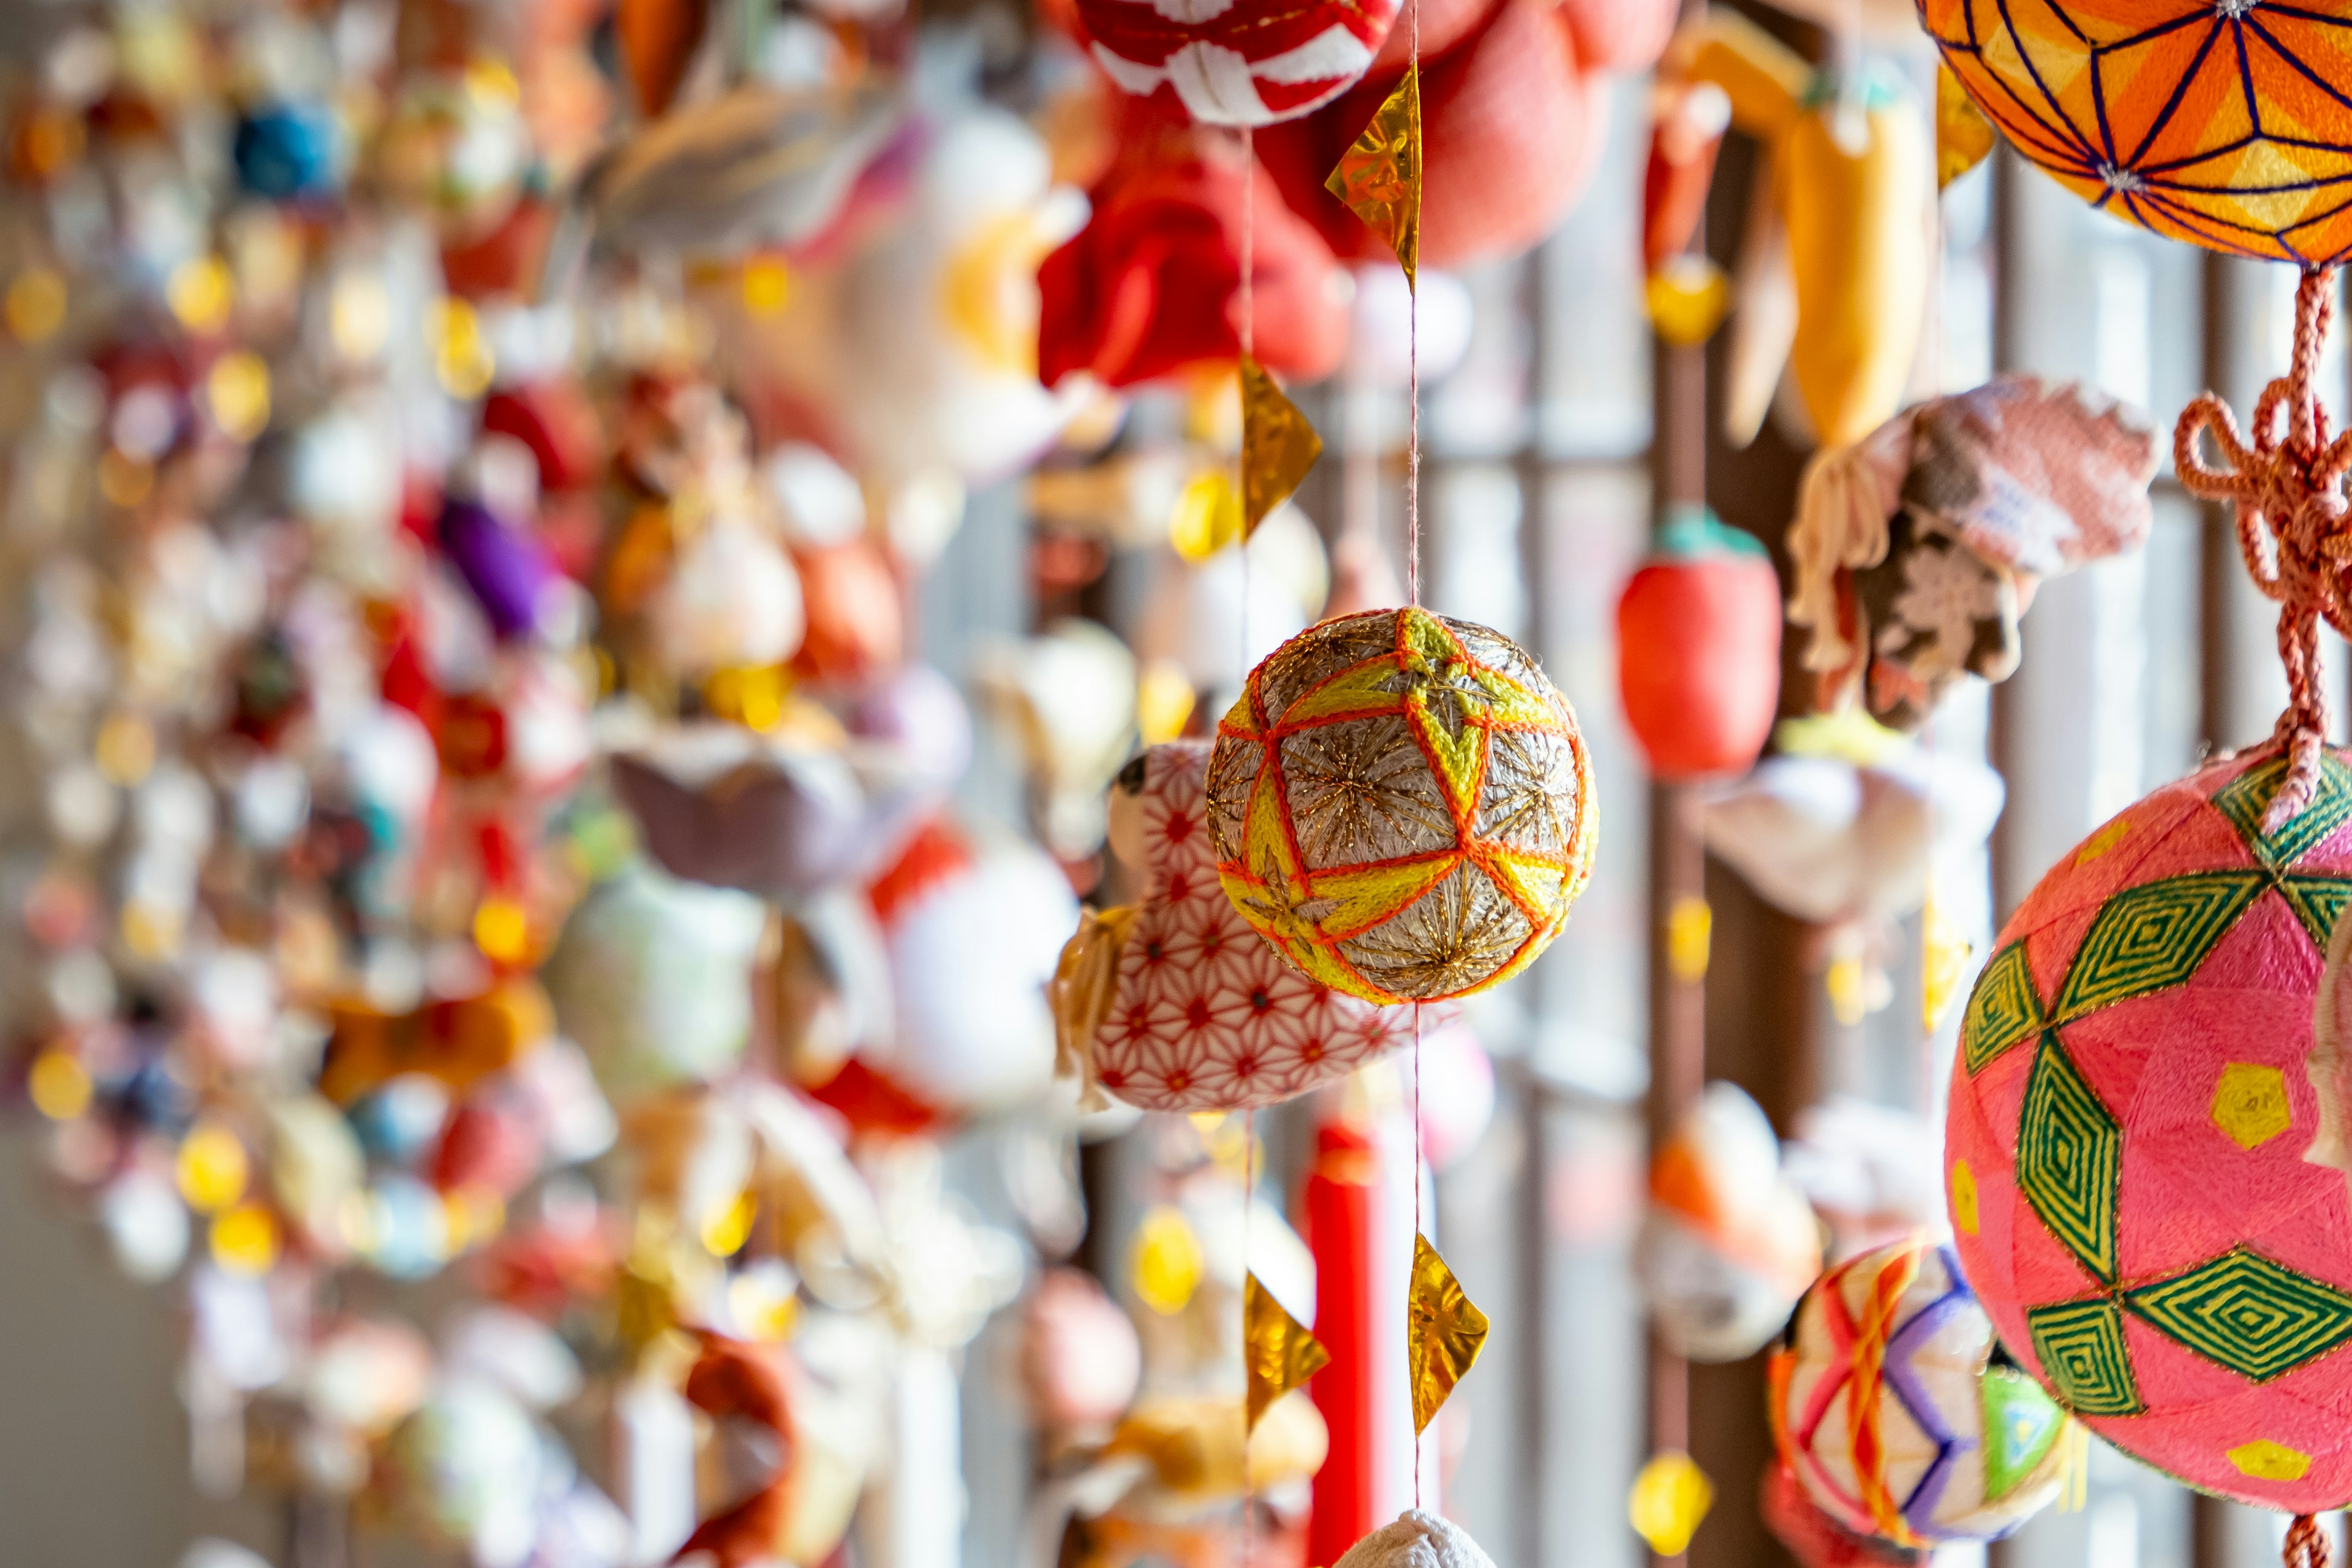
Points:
(1246, 62)
(1199, 1014)
(2127, 1151)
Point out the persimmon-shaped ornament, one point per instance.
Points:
(1403, 806)
(1699, 649)
(2129, 1157)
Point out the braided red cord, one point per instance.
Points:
(2306, 1543)
(2287, 489)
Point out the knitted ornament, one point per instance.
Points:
(2225, 124)
(1248, 62)
(1198, 1013)
(2130, 1112)
(1403, 806)
(1898, 1415)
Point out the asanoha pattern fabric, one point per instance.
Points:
(2130, 1109)
(1403, 806)
(1237, 62)
(2227, 122)
(1205, 1015)
(1896, 1413)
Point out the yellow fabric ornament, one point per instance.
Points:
(1403, 806)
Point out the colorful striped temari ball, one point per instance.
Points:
(2130, 1111)
(1403, 806)
(2227, 122)
(1896, 1412)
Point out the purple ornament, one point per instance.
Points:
(504, 565)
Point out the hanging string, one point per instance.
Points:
(2287, 487)
(1416, 1212)
(1249, 352)
(1249, 1201)
(1413, 595)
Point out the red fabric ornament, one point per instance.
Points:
(1618, 35)
(1151, 286)
(1698, 650)
(1246, 62)
(734, 1380)
(1443, 24)
(558, 423)
(856, 619)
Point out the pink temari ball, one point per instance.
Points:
(1205, 1015)
(2130, 1111)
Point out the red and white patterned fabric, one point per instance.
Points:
(1237, 62)
(1205, 1015)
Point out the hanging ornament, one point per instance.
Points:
(1278, 445)
(1175, 1003)
(2196, 919)
(1918, 549)
(1379, 177)
(1249, 63)
(1403, 806)
(1899, 1414)
(1699, 649)
(2222, 124)
(1850, 191)
(1278, 1351)
(1444, 1332)
(1416, 1540)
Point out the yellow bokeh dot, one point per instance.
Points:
(502, 930)
(237, 395)
(201, 292)
(1690, 937)
(1167, 1260)
(471, 1216)
(36, 304)
(1207, 518)
(767, 285)
(1163, 700)
(59, 1085)
(212, 1168)
(1848, 990)
(461, 352)
(359, 316)
(125, 747)
(494, 81)
(245, 1240)
(1670, 1497)
(151, 930)
(724, 1233)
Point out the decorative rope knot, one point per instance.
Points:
(2287, 488)
(2306, 1543)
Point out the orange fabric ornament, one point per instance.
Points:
(856, 619)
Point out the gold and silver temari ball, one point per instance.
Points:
(1403, 806)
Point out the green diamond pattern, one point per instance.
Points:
(2002, 1009)
(2069, 1152)
(2317, 901)
(2257, 1318)
(2020, 1423)
(2248, 795)
(2154, 936)
(2081, 1347)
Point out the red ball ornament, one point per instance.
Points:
(2132, 1105)
(1243, 62)
(1699, 649)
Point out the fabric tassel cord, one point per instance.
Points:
(2287, 489)
(2306, 1543)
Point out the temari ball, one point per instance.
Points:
(2130, 1111)
(1403, 806)
(1241, 62)
(1897, 1411)
(2221, 121)
(1203, 1015)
